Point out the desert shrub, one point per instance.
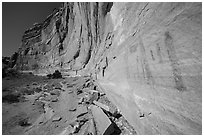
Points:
(38, 89)
(4, 73)
(13, 72)
(55, 75)
(9, 72)
(30, 73)
(49, 76)
(11, 98)
(26, 91)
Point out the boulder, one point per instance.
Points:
(89, 98)
(103, 123)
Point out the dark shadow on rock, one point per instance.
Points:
(11, 98)
(115, 115)
(106, 7)
(113, 129)
(24, 123)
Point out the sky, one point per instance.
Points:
(17, 17)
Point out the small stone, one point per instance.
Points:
(73, 122)
(79, 92)
(70, 92)
(46, 93)
(55, 92)
(55, 100)
(56, 118)
(34, 83)
(81, 100)
(72, 109)
(76, 127)
(93, 91)
(142, 116)
(102, 94)
(41, 98)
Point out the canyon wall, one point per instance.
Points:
(147, 57)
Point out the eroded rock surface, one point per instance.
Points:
(146, 57)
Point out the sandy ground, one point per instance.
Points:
(36, 105)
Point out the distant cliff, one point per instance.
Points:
(68, 39)
(146, 56)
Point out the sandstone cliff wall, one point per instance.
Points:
(146, 56)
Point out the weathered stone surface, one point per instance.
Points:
(101, 120)
(146, 56)
(81, 110)
(106, 108)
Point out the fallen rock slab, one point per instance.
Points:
(103, 124)
(101, 105)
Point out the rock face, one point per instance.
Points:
(147, 57)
